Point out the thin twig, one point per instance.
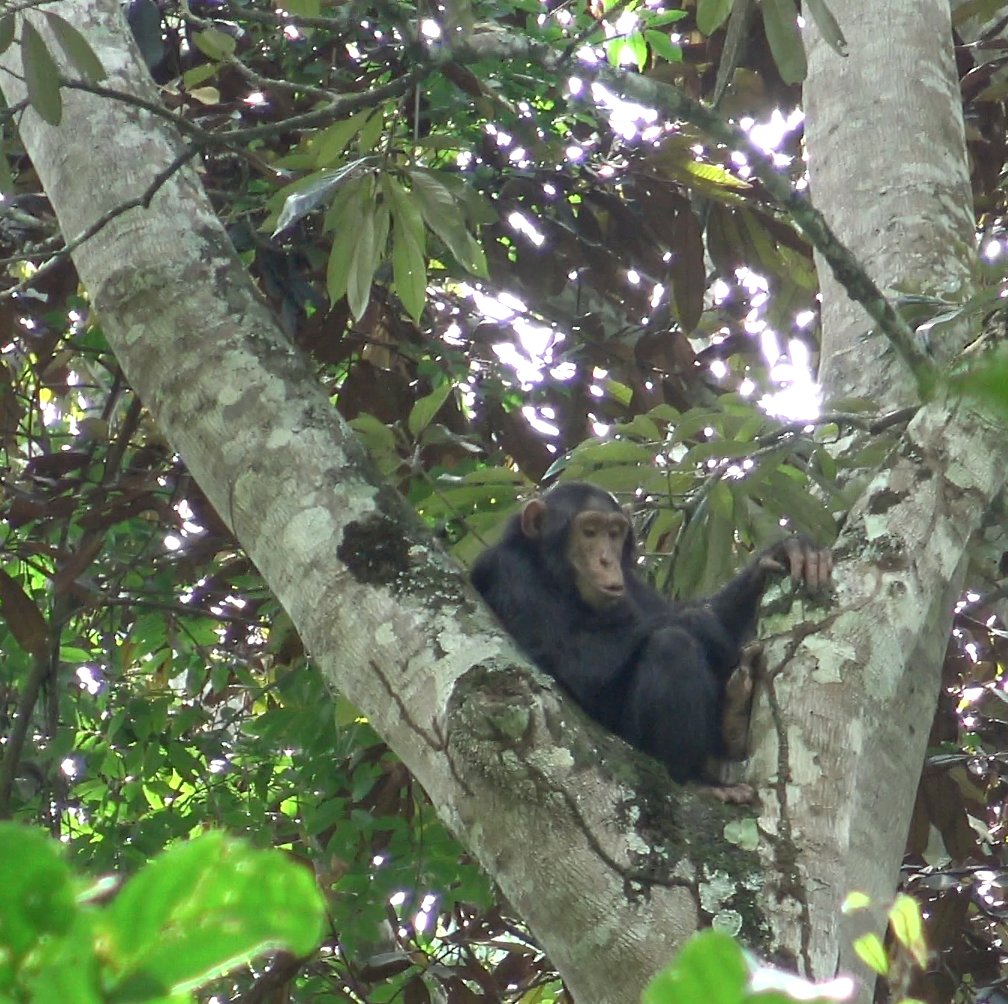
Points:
(140, 202)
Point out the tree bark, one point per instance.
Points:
(888, 167)
(595, 855)
(610, 866)
(850, 715)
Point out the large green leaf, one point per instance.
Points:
(368, 250)
(41, 75)
(346, 230)
(409, 263)
(409, 273)
(201, 908)
(37, 897)
(709, 968)
(443, 214)
(711, 14)
(6, 32)
(328, 145)
(780, 18)
(215, 44)
(423, 412)
(76, 47)
(828, 26)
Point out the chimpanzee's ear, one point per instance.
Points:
(533, 517)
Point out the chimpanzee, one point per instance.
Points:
(655, 672)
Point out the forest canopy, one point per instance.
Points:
(516, 242)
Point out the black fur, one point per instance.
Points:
(650, 670)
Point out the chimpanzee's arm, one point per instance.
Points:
(736, 604)
(507, 579)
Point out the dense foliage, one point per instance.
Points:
(184, 918)
(502, 273)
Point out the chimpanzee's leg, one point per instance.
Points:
(673, 703)
(737, 704)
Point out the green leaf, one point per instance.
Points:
(714, 174)
(614, 51)
(330, 143)
(871, 952)
(780, 18)
(443, 214)
(710, 968)
(371, 131)
(497, 476)
(41, 76)
(721, 500)
(986, 380)
(383, 218)
(199, 75)
(6, 175)
(659, 18)
(23, 617)
(409, 263)
(46, 941)
(725, 449)
(743, 833)
(982, 9)
(908, 927)
(347, 227)
(785, 492)
(718, 562)
(691, 559)
(65, 969)
(479, 209)
(380, 443)
(77, 49)
(409, 273)
(825, 463)
(203, 907)
(215, 44)
(638, 49)
(855, 901)
(6, 32)
(368, 253)
(711, 14)
(405, 210)
(663, 46)
(607, 452)
(639, 427)
(338, 267)
(376, 435)
(662, 529)
(828, 26)
(362, 265)
(423, 412)
(618, 392)
(38, 894)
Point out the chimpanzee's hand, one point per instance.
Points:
(798, 557)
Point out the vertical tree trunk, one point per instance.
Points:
(888, 167)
